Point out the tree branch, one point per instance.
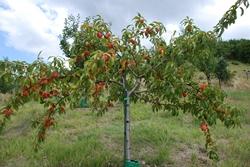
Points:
(137, 84)
(116, 82)
(135, 75)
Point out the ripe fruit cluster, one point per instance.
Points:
(36, 87)
(42, 82)
(100, 35)
(48, 121)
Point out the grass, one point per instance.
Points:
(81, 138)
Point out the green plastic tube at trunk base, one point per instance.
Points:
(84, 103)
(132, 163)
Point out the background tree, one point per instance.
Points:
(235, 50)
(203, 44)
(221, 71)
(9, 72)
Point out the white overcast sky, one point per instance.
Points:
(34, 25)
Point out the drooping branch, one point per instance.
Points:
(230, 17)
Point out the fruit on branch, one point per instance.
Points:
(99, 35)
(98, 87)
(204, 127)
(86, 53)
(44, 81)
(105, 57)
(45, 95)
(48, 121)
(54, 75)
(203, 86)
(7, 112)
(184, 94)
(110, 45)
(107, 35)
(161, 51)
(25, 92)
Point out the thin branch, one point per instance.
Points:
(116, 82)
(123, 80)
(141, 91)
(137, 84)
(154, 101)
(136, 75)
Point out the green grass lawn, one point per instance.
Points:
(81, 138)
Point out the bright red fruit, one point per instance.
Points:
(55, 75)
(45, 95)
(110, 45)
(203, 86)
(44, 81)
(25, 93)
(48, 122)
(204, 127)
(99, 35)
(107, 35)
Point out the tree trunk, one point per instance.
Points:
(127, 147)
(220, 83)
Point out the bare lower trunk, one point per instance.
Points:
(220, 83)
(127, 147)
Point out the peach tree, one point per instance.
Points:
(105, 69)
